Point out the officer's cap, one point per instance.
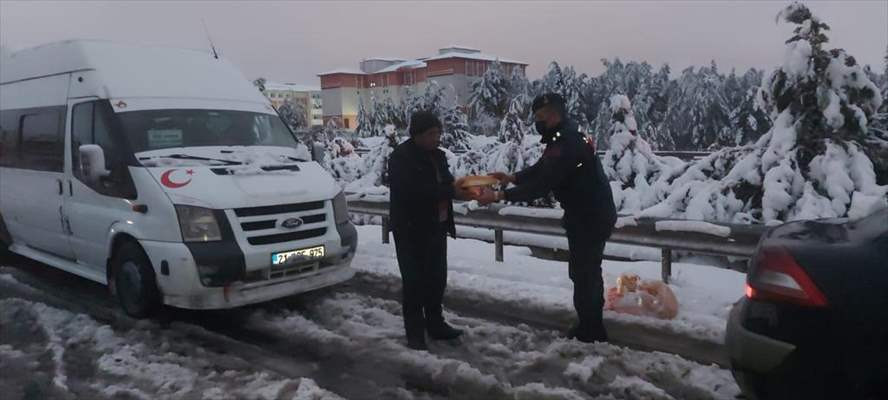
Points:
(549, 99)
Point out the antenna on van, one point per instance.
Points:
(210, 39)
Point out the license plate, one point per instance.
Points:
(286, 257)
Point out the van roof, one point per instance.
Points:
(125, 70)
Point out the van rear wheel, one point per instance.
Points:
(135, 282)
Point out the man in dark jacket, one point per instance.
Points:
(421, 213)
(570, 169)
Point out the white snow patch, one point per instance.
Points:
(693, 226)
(532, 212)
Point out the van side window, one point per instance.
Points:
(89, 125)
(8, 139)
(42, 143)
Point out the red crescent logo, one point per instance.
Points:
(166, 181)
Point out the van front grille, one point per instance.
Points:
(278, 209)
(286, 237)
(272, 223)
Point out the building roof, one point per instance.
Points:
(409, 64)
(390, 59)
(353, 71)
(452, 51)
(292, 87)
(459, 47)
(473, 56)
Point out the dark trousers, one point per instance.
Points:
(422, 259)
(584, 265)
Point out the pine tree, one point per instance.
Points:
(455, 133)
(509, 155)
(490, 93)
(629, 162)
(570, 86)
(364, 125)
(293, 114)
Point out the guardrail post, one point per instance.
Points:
(666, 265)
(385, 230)
(498, 243)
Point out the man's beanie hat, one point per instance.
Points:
(548, 99)
(422, 121)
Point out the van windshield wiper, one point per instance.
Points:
(188, 157)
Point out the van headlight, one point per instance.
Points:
(340, 208)
(198, 224)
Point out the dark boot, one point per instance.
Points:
(443, 331)
(417, 344)
(587, 335)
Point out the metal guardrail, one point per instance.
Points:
(741, 242)
(684, 155)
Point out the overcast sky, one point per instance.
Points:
(292, 41)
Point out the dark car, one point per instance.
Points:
(814, 321)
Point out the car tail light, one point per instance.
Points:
(778, 277)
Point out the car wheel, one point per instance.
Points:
(135, 282)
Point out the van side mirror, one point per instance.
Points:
(92, 162)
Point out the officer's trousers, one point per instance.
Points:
(584, 266)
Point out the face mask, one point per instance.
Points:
(542, 129)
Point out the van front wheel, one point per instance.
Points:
(135, 282)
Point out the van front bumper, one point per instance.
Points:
(179, 281)
(241, 294)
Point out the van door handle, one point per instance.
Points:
(61, 189)
(70, 189)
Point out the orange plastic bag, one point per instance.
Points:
(645, 298)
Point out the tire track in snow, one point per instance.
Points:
(217, 332)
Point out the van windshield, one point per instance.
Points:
(161, 129)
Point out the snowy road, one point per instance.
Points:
(73, 342)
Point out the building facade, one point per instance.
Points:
(310, 97)
(455, 68)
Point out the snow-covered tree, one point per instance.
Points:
(455, 132)
(293, 114)
(630, 163)
(698, 111)
(570, 86)
(811, 163)
(490, 93)
(364, 124)
(509, 156)
(376, 162)
(518, 84)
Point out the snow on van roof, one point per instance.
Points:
(123, 70)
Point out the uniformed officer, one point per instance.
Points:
(570, 169)
(421, 213)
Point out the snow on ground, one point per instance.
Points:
(495, 361)
(705, 294)
(47, 352)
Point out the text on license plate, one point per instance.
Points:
(293, 255)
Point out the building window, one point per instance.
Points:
(345, 123)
